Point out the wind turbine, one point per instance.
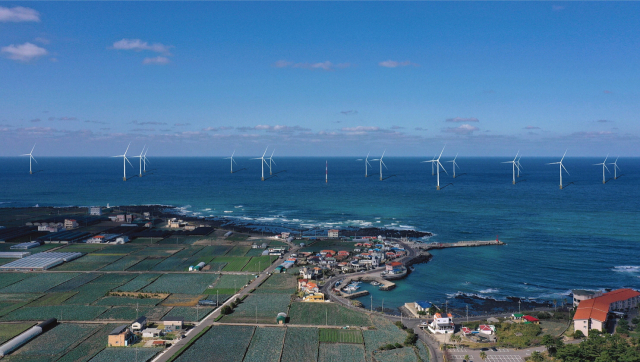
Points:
(615, 168)
(141, 157)
(366, 164)
(30, 154)
(271, 160)
(604, 165)
(454, 165)
(433, 172)
(519, 165)
(232, 161)
(561, 167)
(263, 161)
(381, 163)
(124, 162)
(437, 163)
(144, 161)
(515, 165)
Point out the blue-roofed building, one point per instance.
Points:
(422, 306)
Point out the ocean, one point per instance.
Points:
(586, 236)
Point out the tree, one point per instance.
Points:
(578, 334)
(225, 310)
(466, 357)
(483, 355)
(536, 357)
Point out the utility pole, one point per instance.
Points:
(371, 302)
(326, 317)
(446, 307)
(519, 306)
(217, 302)
(467, 313)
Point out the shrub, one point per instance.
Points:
(578, 334)
(226, 310)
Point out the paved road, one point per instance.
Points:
(208, 320)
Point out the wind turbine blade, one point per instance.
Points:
(456, 165)
(376, 159)
(33, 158)
(265, 151)
(368, 154)
(257, 158)
(369, 164)
(565, 153)
(516, 155)
(565, 170)
(605, 159)
(383, 152)
(455, 157)
(274, 162)
(234, 161)
(234, 152)
(605, 166)
(442, 151)
(34, 147)
(507, 162)
(385, 166)
(26, 154)
(553, 163)
(125, 152)
(125, 157)
(443, 169)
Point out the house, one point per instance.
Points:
(442, 324)
(120, 337)
(139, 324)
(315, 297)
(394, 267)
(486, 329)
(173, 323)
(333, 233)
(151, 332)
(579, 295)
(530, 319)
(70, 224)
(422, 306)
(285, 235)
(343, 253)
(129, 218)
(466, 330)
(173, 223)
(95, 210)
(120, 218)
(308, 273)
(594, 313)
(517, 317)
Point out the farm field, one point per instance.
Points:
(112, 300)
(90, 346)
(8, 331)
(146, 264)
(75, 283)
(259, 263)
(220, 344)
(331, 335)
(405, 354)
(266, 345)
(125, 354)
(339, 352)
(213, 251)
(182, 300)
(279, 283)
(326, 313)
(300, 344)
(234, 263)
(231, 281)
(124, 313)
(193, 283)
(38, 283)
(123, 263)
(385, 333)
(89, 262)
(138, 282)
(11, 278)
(261, 307)
(51, 299)
(238, 250)
(54, 343)
(62, 312)
(190, 314)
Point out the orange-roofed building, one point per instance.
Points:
(593, 313)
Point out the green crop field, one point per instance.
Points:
(8, 331)
(263, 307)
(220, 344)
(279, 283)
(159, 251)
(266, 345)
(190, 314)
(332, 335)
(11, 278)
(128, 301)
(54, 343)
(114, 279)
(338, 352)
(123, 263)
(259, 263)
(138, 282)
(125, 354)
(213, 251)
(90, 346)
(385, 333)
(51, 299)
(74, 283)
(238, 237)
(38, 283)
(234, 263)
(406, 354)
(88, 262)
(61, 312)
(127, 313)
(326, 313)
(182, 300)
(231, 281)
(216, 266)
(146, 264)
(300, 344)
(89, 293)
(238, 250)
(193, 283)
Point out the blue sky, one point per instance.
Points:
(327, 78)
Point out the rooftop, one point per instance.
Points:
(598, 308)
(118, 330)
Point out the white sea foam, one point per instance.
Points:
(489, 290)
(627, 269)
(207, 209)
(228, 211)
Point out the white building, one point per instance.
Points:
(333, 233)
(151, 333)
(139, 324)
(70, 224)
(95, 210)
(442, 324)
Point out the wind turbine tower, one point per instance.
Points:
(271, 160)
(454, 165)
(366, 164)
(232, 161)
(326, 171)
(124, 162)
(30, 154)
(514, 164)
(141, 157)
(438, 165)
(381, 163)
(519, 165)
(561, 167)
(263, 161)
(615, 168)
(604, 166)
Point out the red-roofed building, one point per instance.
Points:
(466, 330)
(485, 329)
(593, 313)
(531, 319)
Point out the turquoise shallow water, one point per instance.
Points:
(585, 236)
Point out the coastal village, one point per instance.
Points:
(140, 282)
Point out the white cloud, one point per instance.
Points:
(156, 60)
(361, 129)
(326, 65)
(465, 129)
(139, 45)
(396, 64)
(459, 119)
(24, 52)
(18, 14)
